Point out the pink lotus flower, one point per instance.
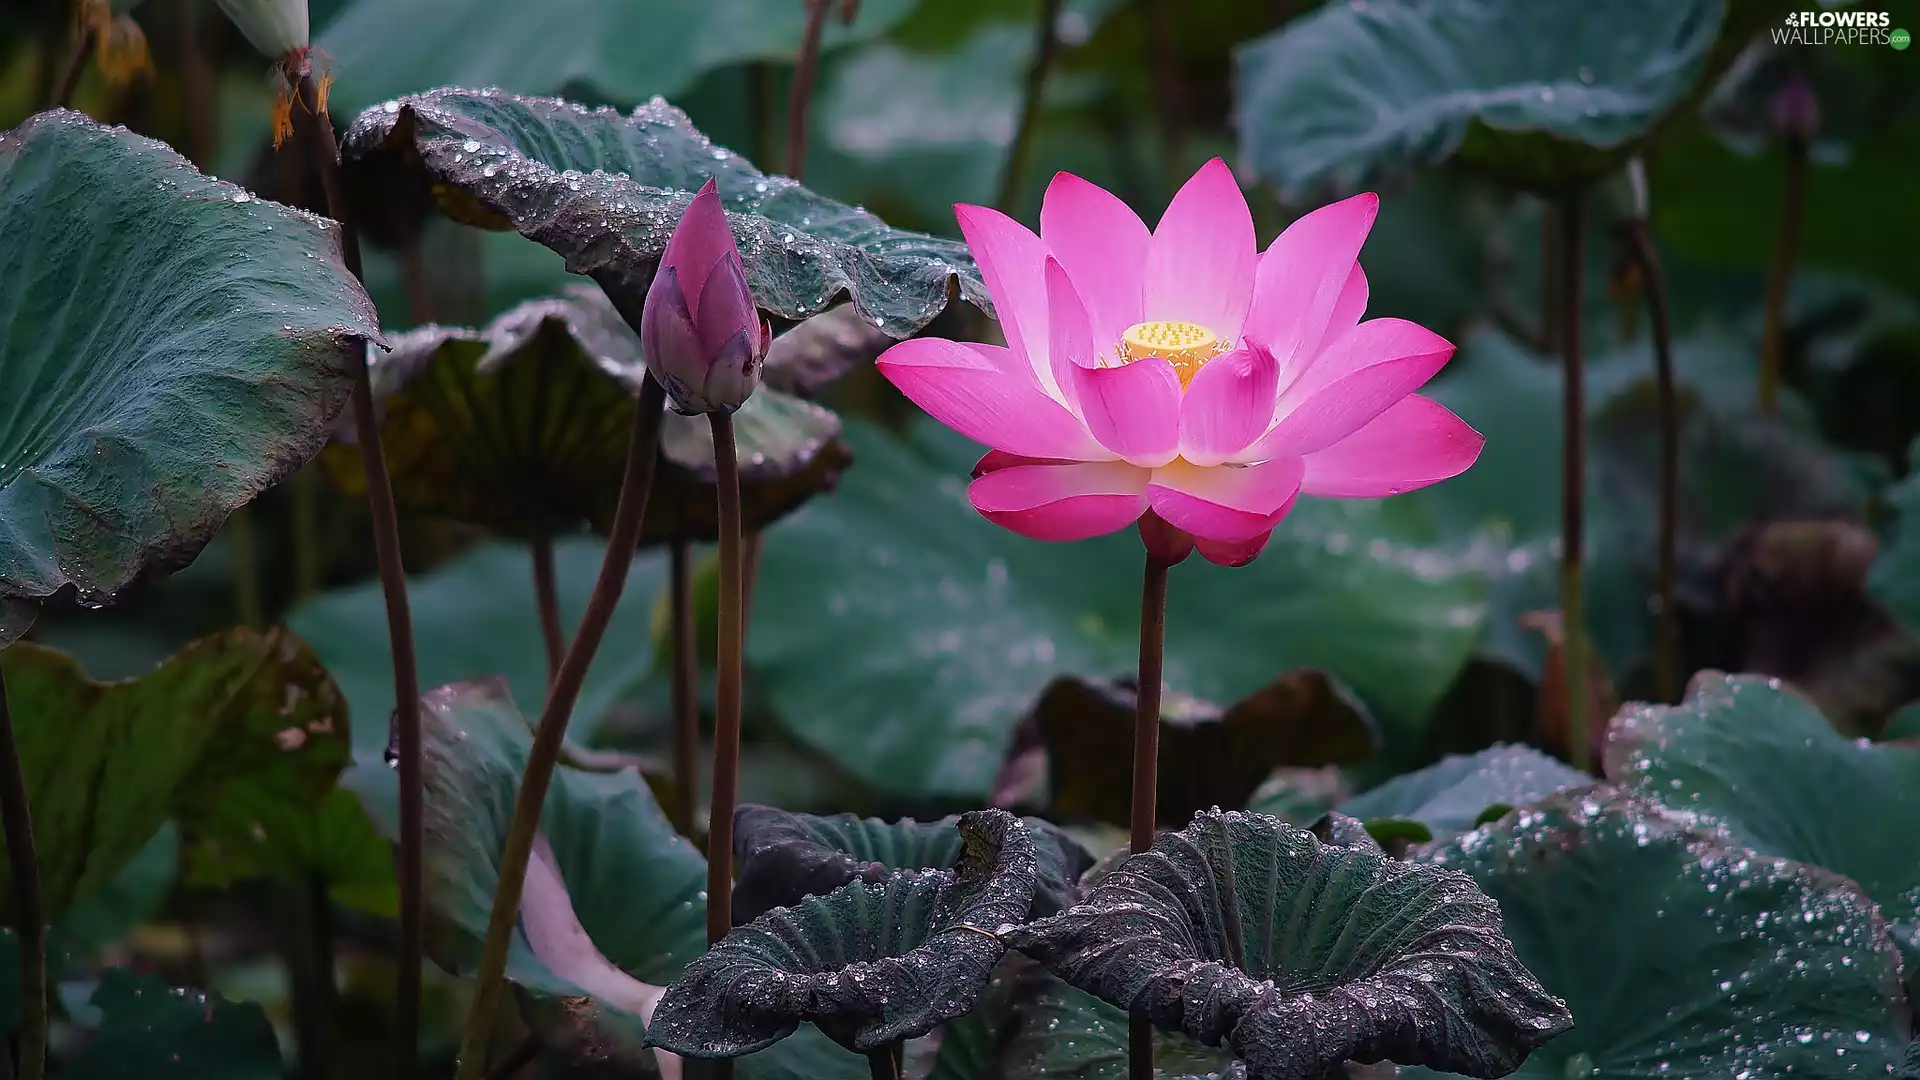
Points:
(1182, 374)
(701, 334)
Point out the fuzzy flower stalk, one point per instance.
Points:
(278, 30)
(1182, 381)
(705, 340)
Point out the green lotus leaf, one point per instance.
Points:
(170, 347)
(605, 189)
(1209, 756)
(1449, 796)
(522, 427)
(811, 356)
(1681, 954)
(1244, 930)
(782, 858)
(149, 1031)
(1909, 1067)
(1540, 95)
(869, 964)
(239, 736)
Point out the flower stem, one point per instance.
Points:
(726, 720)
(549, 737)
(800, 97)
(28, 917)
(324, 155)
(1772, 343)
(1572, 256)
(1146, 765)
(884, 1063)
(547, 596)
(1046, 50)
(686, 684)
(1666, 659)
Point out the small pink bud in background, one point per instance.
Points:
(702, 337)
(1795, 110)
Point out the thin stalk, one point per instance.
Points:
(549, 736)
(1146, 765)
(310, 964)
(1772, 339)
(30, 922)
(884, 1063)
(1046, 50)
(726, 713)
(1572, 251)
(247, 607)
(324, 155)
(547, 596)
(76, 67)
(1666, 659)
(800, 95)
(686, 683)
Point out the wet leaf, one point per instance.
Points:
(1680, 954)
(605, 189)
(1209, 756)
(781, 858)
(900, 633)
(151, 1032)
(870, 963)
(210, 356)
(806, 359)
(522, 427)
(1539, 95)
(238, 736)
(1065, 1033)
(1299, 955)
(1450, 795)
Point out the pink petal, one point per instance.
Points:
(1165, 544)
(1102, 244)
(1062, 502)
(1346, 311)
(1200, 264)
(700, 240)
(1356, 379)
(1414, 443)
(1133, 409)
(995, 460)
(1012, 264)
(1070, 338)
(1236, 553)
(1225, 503)
(726, 306)
(1302, 278)
(1229, 404)
(987, 394)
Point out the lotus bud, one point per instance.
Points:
(702, 336)
(1795, 110)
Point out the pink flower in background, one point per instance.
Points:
(1182, 371)
(702, 337)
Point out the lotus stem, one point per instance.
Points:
(549, 737)
(1666, 659)
(1773, 333)
(726, 721)
(1572, 251)
(686, 685)
(76, 67)
(1046, 50)
(1146, 765)
(884, 1063)
(547, 596)
(17, 819)
(800, 97)
(325, 159)
(310, 964)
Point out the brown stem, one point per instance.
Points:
(1146, 763)
(521, 1057)
(310, 964)
(324, 155)
(884, 1063)
(686, 683)
(1046, 50)
(799, 97)
(76, 67)
(547, 595)
(727, 675)
(549, 737)
(1666, 660)
(29, 920)
(1571, 248)
(1772, 343)
(1162, 45)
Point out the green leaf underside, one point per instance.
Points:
(171, 347)
(523, 427)
(238, 736)
(605, 189)
(1543, 95)
(905, 636)
(1245, 930)
(1208, 757)
(151, 1032)
(870, 963)
(1449, 796)
(1682, 955)
(1763, 763)
(781, 857)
